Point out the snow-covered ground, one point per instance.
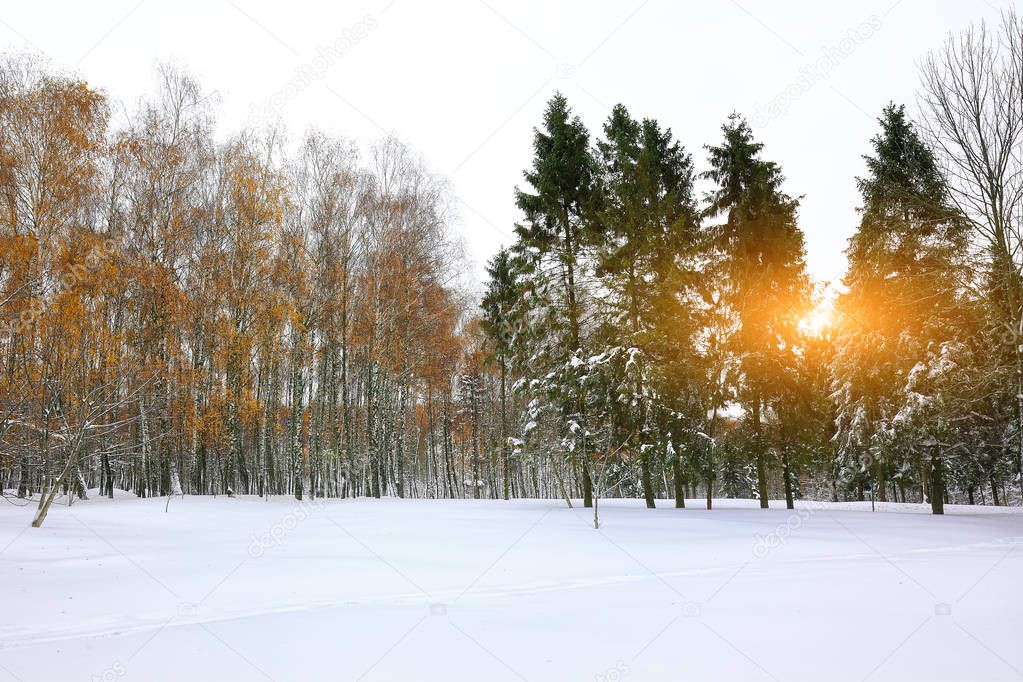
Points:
(236, 589)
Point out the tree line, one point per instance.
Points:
(182, 314)
(664, 338)
(186, 314)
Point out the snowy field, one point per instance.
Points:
(241, 589)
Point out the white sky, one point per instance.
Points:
(464, 82)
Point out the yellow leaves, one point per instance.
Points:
(256, 193)
(16, 252)
(212, 420)
(249, 409)
(297, 320)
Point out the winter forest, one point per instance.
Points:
(277, 404)
(189, 315)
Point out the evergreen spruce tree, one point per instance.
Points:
(500, 303)
(644, 234)
(896, 310)
(551, 240)
(760, 258)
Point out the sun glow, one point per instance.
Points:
(816, 323)
(822, 317)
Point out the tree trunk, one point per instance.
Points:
(1019, 401)
(937, 483)
(24, 489)
(787, 476)
(710, 457)
(680, 487)
(506, 459)
(587, 486)
(648, 484)
(47, 500)
(107, 478)
(761, 463)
